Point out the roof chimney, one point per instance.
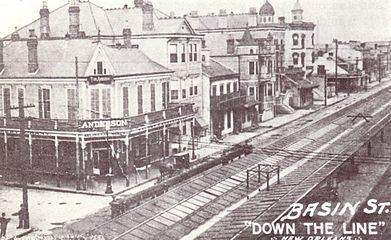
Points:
(148, 17)
(253, 10)
(44, 21)
(74, 19)
(32, 45)
(127, 33)
(223, 12)
(1, 55)
(15, 35)
(138, 3)
(194, 13)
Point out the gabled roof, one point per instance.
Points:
(56, 59)
(110, 22)
(247, 39)
(217, 70)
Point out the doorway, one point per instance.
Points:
(100, 161)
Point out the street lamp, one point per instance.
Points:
(109, 175)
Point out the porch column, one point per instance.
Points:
(57, 162)
(77, 163)
(126, 142)
(146, 152)
(83, 162)
(164, 142)
(180, 136)
(5, 149)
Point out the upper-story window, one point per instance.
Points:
(270, 19)
(190, 52)
(313, 39)
(183, 54)
(251, 51)
(303, 59)
(303, 41)
(269, 66)
(195, 90)
(44, 103)
(214, 90)
(253, 68)
(174, 94)
(268, 89)
(125, 99)
(231, 46)
(183, 93)
(295, 57)
(173, 49)
(153, 97)
(99, 69)
(313, 57)
(228, 87)
(140, 99)
(251, 91)
(195, 53)
(235, 86)
(295, 38)
(100, 107)
(106, 103)
(7, 102)
(221, 89)
(71, 104)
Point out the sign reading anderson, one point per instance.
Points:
(103, 124)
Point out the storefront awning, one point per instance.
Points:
(251, 103)
(200, 122)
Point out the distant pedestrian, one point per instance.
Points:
(22, 216)
(3, 225)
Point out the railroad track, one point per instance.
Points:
(186, 207)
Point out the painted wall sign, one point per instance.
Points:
(100, 79)
(103, 124)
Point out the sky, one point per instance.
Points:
(363, 20)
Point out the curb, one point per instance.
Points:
(28, 231)
(54, 189)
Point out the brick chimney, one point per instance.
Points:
(74, 18)
(15, 35)
(32, 45)
(44, 21)
(148, 17)
(127, 33)
(1, 55)
(138, 3)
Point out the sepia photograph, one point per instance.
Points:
(195, 120)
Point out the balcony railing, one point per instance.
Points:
(174, 111)
(228, 101)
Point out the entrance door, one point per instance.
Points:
(100, 161)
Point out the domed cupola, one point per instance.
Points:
(266, 13)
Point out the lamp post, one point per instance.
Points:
(109, 188)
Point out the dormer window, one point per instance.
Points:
(99, 70)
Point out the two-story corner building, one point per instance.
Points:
(226, 100)
(169, 41)
(98, 108)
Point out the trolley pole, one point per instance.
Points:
(336, 66)
(22, 158)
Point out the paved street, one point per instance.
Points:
(49, 209)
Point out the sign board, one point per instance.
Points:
(106, 79)
(103, 124)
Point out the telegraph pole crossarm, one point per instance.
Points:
(22, 159)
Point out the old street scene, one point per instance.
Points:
(162, 120)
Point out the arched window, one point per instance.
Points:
(295, 38)
(313, 57)
(251, 51)
(303, 59)
(264, 19)
(313, 39)
(270, 19)
(295, 57)
(303, 41)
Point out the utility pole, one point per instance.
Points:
(22, 158)
(192, 141)
(77, 125)
(379, 67)
(336, 66)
